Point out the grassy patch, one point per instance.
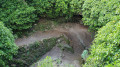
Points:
(45, 25)
(48, 24)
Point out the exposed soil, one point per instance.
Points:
(76, 33)
(37, 36)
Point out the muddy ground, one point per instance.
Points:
(77, 34)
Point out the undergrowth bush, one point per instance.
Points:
(76, 6)
(7, 46)
(96, 13)
(16, 14)
(49, 62)
(27, 55)
(56, 8)
(43, 7)
(105, 51)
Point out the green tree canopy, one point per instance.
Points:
(16, 14)
(7, 45)
(105, 51)
(96, 13)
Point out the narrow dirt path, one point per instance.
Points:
(37, 36)
(78, 35)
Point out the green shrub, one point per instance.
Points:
(7, 46)
(105, 51)
(76, 6)
(16, 14)
(96, 13)
(43, 7)
(56, 8)
(49, 62)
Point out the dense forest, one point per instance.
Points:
(101, 16)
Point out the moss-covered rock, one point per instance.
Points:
(27, 55)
